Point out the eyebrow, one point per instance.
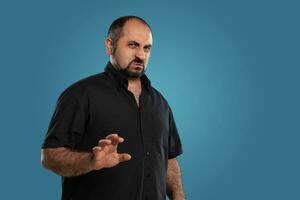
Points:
(136, 43)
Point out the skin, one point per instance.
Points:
(132, 53)
(134, 44)
(174, 184)
(69, 163)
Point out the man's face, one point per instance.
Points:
(132, 49)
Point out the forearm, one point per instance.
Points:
(174, 183)
(66, 162)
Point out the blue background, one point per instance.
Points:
(230, 70)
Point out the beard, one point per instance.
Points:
(133, 74)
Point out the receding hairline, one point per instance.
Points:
(130, 20)
(115, 27)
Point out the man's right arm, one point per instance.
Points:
(66, 162)
(69, 163)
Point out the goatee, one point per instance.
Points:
(130, 74)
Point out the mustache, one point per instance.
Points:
(138, 61)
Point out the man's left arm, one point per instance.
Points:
(174, 182)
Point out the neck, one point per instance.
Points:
(134, 80)
(134, 85)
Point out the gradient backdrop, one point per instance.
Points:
(230, 70)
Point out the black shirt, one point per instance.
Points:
(94, 107)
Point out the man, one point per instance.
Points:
(112, 135)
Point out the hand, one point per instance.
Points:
(105, 155)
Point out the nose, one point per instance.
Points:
(140, 53)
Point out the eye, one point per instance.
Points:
(147, 49)
(132, 45)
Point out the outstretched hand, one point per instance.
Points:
(105, 155)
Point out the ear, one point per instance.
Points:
(109, 46)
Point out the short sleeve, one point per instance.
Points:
(175, 147)
(68, 121)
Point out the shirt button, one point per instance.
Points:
(148, 175)
(148, 153)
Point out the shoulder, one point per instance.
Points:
(157, 95)
(82, 87)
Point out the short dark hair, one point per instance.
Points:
(115, 29)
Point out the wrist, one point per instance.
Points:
(178, 196)
(90, 166)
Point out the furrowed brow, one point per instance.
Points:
(134, 42)
(148, 46)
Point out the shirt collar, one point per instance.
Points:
(121, 80)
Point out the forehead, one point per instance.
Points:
(135, 30)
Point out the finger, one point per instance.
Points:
(107, 149)
(104, 142)
(124, 157)
(121, 139)
(97, 148)
(115, 139)
(111, 135)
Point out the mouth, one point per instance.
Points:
(137, 65)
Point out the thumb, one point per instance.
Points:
(124, 157)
